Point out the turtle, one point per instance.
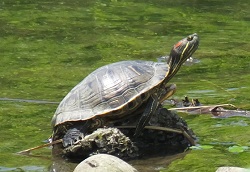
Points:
(118, 91)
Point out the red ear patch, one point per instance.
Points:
(178, 44)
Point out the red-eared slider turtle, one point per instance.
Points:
(116, 91)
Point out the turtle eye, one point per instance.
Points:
(190, 38)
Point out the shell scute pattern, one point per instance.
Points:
(110, 89)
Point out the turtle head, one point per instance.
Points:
(181, 52)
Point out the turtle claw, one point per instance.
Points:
(73, 136)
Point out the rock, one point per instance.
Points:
(104, 163)
(104, 140)
(232, 169)
(122, 143)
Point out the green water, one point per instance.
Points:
(47, 47)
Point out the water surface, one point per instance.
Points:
(47, 47)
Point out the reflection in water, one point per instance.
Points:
(24, 168)
(147, 164)
(61, 165)
(156, 163)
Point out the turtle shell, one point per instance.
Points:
(114, 90)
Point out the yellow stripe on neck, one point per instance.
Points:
(184, 51)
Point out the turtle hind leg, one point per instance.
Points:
(75, 133)
(150, 109)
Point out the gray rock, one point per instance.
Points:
(104, 163)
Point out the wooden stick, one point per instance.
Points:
(27, 151)
(200, 107)
(179, 131)
(190, 139)
(153, 128)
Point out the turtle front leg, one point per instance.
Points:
(150, 109)
(152, 105)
